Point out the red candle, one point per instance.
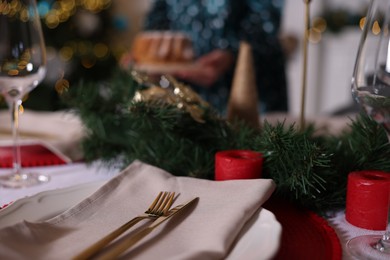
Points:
(368, 194)
(238, 164)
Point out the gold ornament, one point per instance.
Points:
(168, 90)
(243, 100)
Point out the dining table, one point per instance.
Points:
(304, 234)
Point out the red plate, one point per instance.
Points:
(305, 235)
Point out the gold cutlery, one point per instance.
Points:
(125, 244)
(159, 207)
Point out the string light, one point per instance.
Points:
(53, 13)
(100, 50)
(66, 53)
(14, 8)
(62, 85)
(376, 28)
(60, 11)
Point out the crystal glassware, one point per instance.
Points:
(22, 68)
(371, 90)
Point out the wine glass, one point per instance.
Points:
(371, 90)
(22, 68)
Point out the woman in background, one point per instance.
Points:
(216, 27)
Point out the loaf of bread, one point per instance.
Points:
(162, 47)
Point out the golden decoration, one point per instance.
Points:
(168, 90)
(305, 58)
(243, 99)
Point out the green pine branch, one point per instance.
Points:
(308, 169)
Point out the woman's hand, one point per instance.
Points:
(209, 68)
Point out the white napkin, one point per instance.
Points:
(205, 231)
(62, 130)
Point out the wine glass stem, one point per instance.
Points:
(15, 135)
(386, 236)
(384, 243)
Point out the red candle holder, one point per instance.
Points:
(367, 204)
(238, 164)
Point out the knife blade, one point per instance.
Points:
(125, 244)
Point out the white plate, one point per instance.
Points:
(259, 239)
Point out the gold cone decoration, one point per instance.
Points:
(243, 100)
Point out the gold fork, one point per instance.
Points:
(120, 247)
(159, 207)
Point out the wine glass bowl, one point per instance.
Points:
(371, 75)
(22, 68)
(371, 90)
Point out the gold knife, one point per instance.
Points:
(125, 244)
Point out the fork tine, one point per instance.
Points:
(162, 207)
(151, 207)
(156, 205)
(160, 202)
(168, 204)
(158, 210)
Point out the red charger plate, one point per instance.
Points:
(305, 235)
(34, 154)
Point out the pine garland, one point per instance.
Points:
(309, 169)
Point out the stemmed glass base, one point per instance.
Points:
(369, 247)
(21, 180)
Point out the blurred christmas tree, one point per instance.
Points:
(77, 35)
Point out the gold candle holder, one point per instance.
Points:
(305, 57)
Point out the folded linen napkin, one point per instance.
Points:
(206, 231)
(63, 130)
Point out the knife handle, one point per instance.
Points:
(125, 244)
(93, 249)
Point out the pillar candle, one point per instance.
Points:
(238, 164)
(367, 204)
